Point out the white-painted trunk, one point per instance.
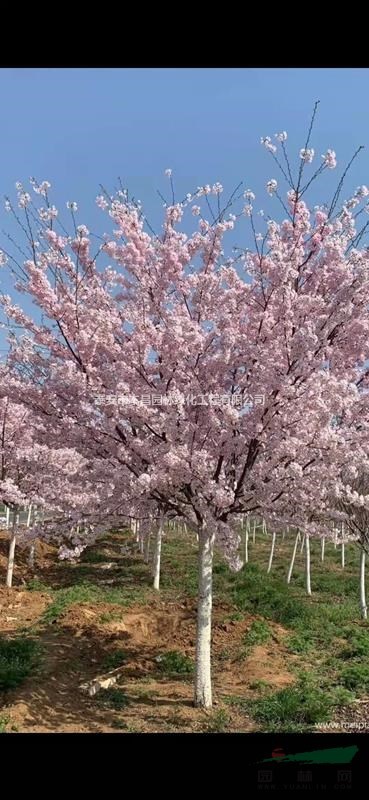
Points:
(271, 552)
(289, 576)
(363, 606)
(203, 694)
(264, 528)
(254, 533)
(29, 515)
(157, 553)
(31, 556)
(323, 549)
(7, 518)
(135, 530)
(307, 564)
(13, 538)
(246, 543)
(147, 548)
(303, 543)
(136, 533)
(343, 554)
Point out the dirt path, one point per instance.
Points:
(89, 638)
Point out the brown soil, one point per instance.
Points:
(18, 609)
(76, 648)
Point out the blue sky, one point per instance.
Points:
(81, 127)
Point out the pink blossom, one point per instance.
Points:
(330, 159)
(282, 137)
(272, 186)
(307, 155)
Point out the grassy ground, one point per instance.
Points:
(282, 660)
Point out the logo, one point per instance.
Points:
(332, 755)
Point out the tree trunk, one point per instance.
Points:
(203, 695)
(29, 515)
(254, 533)
(271, 553)
(323, 548)
(13, 538)
(303, 543)
(363, 606)
(157, 553)
(293, 558)
(147, 548)
(31, 552)
(7, 518)
(307, 564)
(31, 556)
(247, 542)
(141, 543)
(135, 530)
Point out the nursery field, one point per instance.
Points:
(281, 660)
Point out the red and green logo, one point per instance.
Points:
(332, 755)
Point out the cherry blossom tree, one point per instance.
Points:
(204, 382)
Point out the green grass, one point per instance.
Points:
(114, 659)
(4, 721)
(260, 686)
(295, 707)
(110, 616)
(35, 585)
(71, 595)
(237, 616)
(218, 722)
(324, 631)
(18, 659)
(357, 642)
(252, 591)
(356, 678)
(233, 700)
(113, 698)
(258, 633)
(94, 557)
(87, 592)
(301, 642)
(175, 663)
(119, 724)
